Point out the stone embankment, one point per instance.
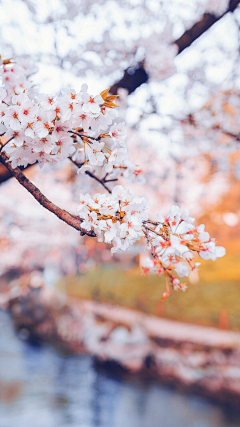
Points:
(198, 359)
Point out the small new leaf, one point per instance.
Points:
(109, 104)
(108, 99)
(104, 93)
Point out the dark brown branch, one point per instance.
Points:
(196, 31)
(133, 78)
(3, 145)
(98, 180)
(101, 181)
(110, 180)
(72, 220)
(232, 135)
(206, 22)
(5, 174)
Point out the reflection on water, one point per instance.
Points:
(40, 388)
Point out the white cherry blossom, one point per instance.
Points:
(91, 104)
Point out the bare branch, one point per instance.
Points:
(98, 180)
(72, 220)
(196, 31)
(101, 181)
(110, 180)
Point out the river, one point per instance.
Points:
(42, 388)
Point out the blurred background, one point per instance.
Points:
(79, 343)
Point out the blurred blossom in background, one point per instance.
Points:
(179, 94)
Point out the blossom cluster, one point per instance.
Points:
(47, 129)
(116, 218)
(174, 241)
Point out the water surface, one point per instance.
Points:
(41, 388)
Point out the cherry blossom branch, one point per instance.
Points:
(72, 220)
(92, 175)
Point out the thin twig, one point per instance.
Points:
(151, 222)
(75, 162)
(85, 136)
(101, 181)
(75, 133)
(232, 135)
(110, 180)
(98, 180)
(72, 220)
